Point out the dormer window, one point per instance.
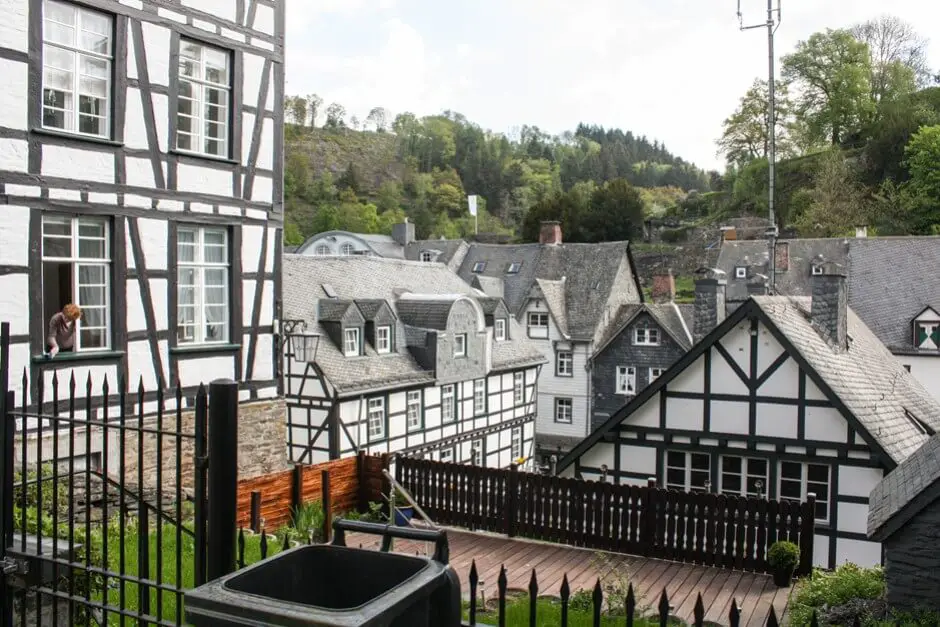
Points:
(500, 325)
(460, 345)
(816, 270)
(740, 272)
(321, 250)
(927, 335)
(383, 340)
(479, 266)
(346, 250)
(426, 256)
(646, 337)
(351, 342)
(514, 267)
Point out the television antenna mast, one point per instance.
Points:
(772, 23)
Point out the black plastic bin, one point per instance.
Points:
(332, 585)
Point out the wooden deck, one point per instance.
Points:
(754, 593)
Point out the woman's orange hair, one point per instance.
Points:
(72, 312)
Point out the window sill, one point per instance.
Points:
(66, 135)
(205, 348)
(203, 156)
(80, 356)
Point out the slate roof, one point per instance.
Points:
(450, 252)
(333, 310)
(554, 294)
(589, 271)
(669, 316)
(907, 490)
(890, 279)
(872, 385)
(383, 245)
(369, 307)
(375, 278)
(425, 313)
(490, 285)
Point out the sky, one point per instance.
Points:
(668, 69)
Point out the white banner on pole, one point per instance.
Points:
(472, 203)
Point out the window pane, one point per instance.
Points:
(215, 296)
(55, 58)
(214, 147)
(92, 276)
(186, 314)
(91, 228)
(757, 467)
(790, 490)
(215, 254)
(184, 142)
(92, 338)
(791, 470)
(56, 247)
(56, 225)
(214, 238)
(216, 97)
(58, 33)
(56, 80)
(184, 124)
(185, 253)
(92, 125)
(94, 68)
(187, 278)
(731, 483)
(216, 66)
(186, 90)
(216, 277)
(699, 477)
(675, 476)
(92, 316)
(96, 42)
(91, 249)
(700, 461)
(675, 459)
(816, 472)
(731, 464)
(215, 113)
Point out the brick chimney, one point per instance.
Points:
(664, 287)
(829, 310)
(782, 256)
(709, 306)
(550, 233)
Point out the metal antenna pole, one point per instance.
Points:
(771, 25)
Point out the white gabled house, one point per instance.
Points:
(141, 179)
(785, 397)
(410, 360)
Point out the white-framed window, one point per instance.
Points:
(76, 268)
(447, 403)
(816, 270)
(203, 103)
(479, 397)
(744, 476)
(518, 387)
(564, 364)
(413, 409)
(476, 450)
(77, 56)
(514, 267)
(322, 250)
(460, 345)
(447, 455)
(687, 471)
(426, 256)
(376, 418)
(346, 249)
(351, 342)
(479, 266)
(500, 325)
(646, 336)
(203, 285)
(538, 324)
(740, 272)
(626, 380)
(799, 479)
(655, 373)
(515, 445)
(383, 339)
(564, 408)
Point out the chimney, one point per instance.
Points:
(709, 306)
(664, 287)
(757, 286)
(550, 233)
(861, 232)
(404, 232)
(782, 256)
(829, 310)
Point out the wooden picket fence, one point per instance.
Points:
(701, 528)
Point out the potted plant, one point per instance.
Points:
(404, 512)
(783, 557)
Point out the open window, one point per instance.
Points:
(76, 268)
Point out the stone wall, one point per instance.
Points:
(912, 562)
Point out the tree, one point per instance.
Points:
(832, 72)
(616, 213)
(378, 118)
(893, 43)
(838, 201)
(350, 179)
(354, 123)
(745, 136)
(296, 109)
(921, 158)
(334, 115)
(314, 102)
(292, 234)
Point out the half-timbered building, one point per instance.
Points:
(786, 396)
(411, 360)
(892, 286)
(141, 179)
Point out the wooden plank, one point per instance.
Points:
(751, 601)
(718, 612)
(685, 608)
(679, 593)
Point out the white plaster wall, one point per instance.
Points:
(926, 370)
(135, 131)
(14, 296)
(784, 382)
(14, 27)
(264, 19)
(639, 459)
(737, 343)
(253, 66)
(195, 180)
(153, 241)
(266, 147)
(136, 320)
(15, 75)
(858, 481)
(14, 155)
(14, 235)
(196, 371)
(648, 413)
(140, 366)
(777, 421)
(860, 552)
(264, 357)
(157, 46)
(724, 379)
(263, 189)
(681, 413)
(98, 374)
(139, 172)
(692, 379)
(92, 165)
(222, 9)
(826, 424)
(729, 417)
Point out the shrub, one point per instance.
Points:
(783, 555)
(581, 601)
(830, 589)
(308, 521)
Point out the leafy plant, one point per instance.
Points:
(581, 601)
(783, 555)
(308, 520)
(616, 584)
(830, 589)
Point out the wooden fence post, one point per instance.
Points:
(327, 504)
(509, 511)
(807, 529)
(362, 501)
(255, 511)
(297, 489)
(648, 518)
(386, 488)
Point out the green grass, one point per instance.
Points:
(548, 614)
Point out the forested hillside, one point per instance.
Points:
(366, 175)
(858, 137)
